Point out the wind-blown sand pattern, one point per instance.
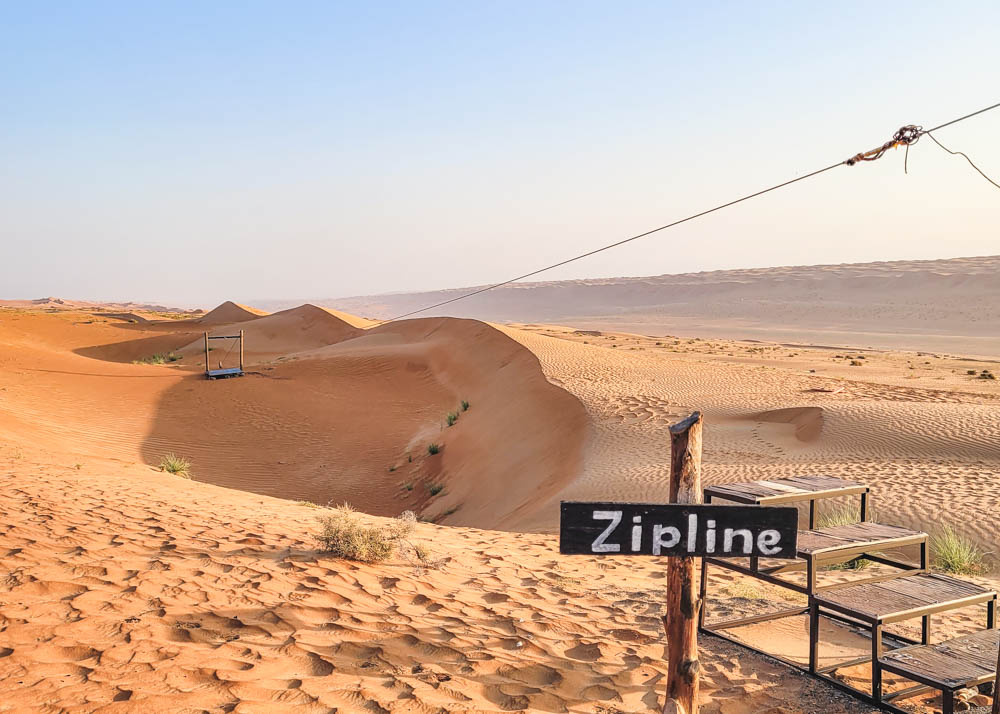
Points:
(126, 589)
(943, 305)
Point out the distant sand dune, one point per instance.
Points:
(944, 305)
(230, 312)
(330, 412)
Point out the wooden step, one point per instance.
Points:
(904, 597)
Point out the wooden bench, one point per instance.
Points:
(873, 605)
(791, 490)
(948, 666)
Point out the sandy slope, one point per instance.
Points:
(127, 590)
(942, 305)
(124, 589)
(329, 412)
(930, 454)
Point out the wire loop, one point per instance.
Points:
(904, 136)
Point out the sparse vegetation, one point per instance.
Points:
(452, 418)
(159, 358)
(177, 465)
(856, 363)
(307, 504)
(434, 488)
(408, 486)
(971, 372)
(391, 469)
(986, 374)
(345, 536)
(954, 553)
(465, 405)
(433, 449)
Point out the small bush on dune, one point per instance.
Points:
(345, 536)
(465, 405)
(434, 489)
(174, 464)
(954, 553)
(159, 358)
(433, 449)
(452, 418)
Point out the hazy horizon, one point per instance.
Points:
(188, 155)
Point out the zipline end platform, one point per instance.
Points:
(224, 372)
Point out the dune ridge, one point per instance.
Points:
(230, 312)
(907, 304)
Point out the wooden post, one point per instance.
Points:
(241, 350)
(683, 598)
(996, 688)
(207, 365)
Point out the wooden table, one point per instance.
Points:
(873, 605)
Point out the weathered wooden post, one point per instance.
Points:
(208, 366)
(996, 688)
(683, 599)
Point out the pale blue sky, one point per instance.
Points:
(195, 152)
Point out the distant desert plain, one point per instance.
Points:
(125, 588)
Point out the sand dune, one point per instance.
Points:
(125, 589)
(230, 312)
(941, 305)
(282, 333)
(330, 412)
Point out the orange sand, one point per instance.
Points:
(126, 589)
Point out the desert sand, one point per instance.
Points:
(945, 306)
(123, 588)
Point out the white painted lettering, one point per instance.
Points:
(766, 542)
(727, 540)
(599, 546)
(674, 537)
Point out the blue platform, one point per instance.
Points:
(224, 373)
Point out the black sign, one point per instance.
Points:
(677, 529)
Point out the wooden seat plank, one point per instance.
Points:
(853, 535)
(952, 664)
(883, 600)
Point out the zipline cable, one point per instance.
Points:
(905, 136)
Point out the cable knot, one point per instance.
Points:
(904, 136)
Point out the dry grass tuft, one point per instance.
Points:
(174, 464)
(954, 553)
(345, 536)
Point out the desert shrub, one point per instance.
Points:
(970, 371)
(452, 418)
(408, 486)
(856, 363)
(954, 553)
(433, 449)
(465, 405)
(986, 374)
(343, 535)
(434, 488)
(172, 463)
(159, 358)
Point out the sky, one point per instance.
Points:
(192, 153)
